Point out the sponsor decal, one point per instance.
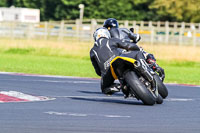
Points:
(107, 63)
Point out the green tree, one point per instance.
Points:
(101, 9)
(171, 10)
(3, 3)
(178, 10)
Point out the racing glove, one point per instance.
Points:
(135, 37)
(151, 60)
(152, 64)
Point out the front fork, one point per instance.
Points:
(142, 67)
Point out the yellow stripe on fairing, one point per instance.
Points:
(119, 57)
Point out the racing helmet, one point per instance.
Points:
(110, 23)
(101, 32)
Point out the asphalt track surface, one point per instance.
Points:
(79, 106)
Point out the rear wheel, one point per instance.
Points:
(139, 89)
(162, 90)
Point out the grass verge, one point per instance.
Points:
(46, 65)
(176, 71)
(71, 58)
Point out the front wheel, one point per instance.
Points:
(139, 89)
(162, 90)
(159, 100)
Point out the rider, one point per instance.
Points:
(128, 36)
(104, 50)
(122, 33)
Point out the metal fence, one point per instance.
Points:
(151, 32)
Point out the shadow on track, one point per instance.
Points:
(92, 92)
(107, 100)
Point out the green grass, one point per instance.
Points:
(181, 72)
(27, 61)
(45, 65)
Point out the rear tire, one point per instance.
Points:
(139, 89)
(162, 89)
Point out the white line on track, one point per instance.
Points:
(85, 115)
(121, 98)
(84, 78)
(74, 82)
(116, 116)
(47, 76)
(179, 99)
(185, 85)
(53, 81)
(90, 97)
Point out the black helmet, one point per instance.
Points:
(110, 23)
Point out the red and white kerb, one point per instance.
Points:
(14, 96)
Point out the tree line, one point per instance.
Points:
(146, 10)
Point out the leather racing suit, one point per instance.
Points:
(103, 52)
(128, 36)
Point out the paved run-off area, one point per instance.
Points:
(53, 104)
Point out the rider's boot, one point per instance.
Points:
(112, 89)
(126, 91)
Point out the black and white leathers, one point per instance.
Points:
(104, 50)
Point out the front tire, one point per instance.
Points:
(162, 90)
(159, 100)
(139, 89)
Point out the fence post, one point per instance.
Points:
(136, 29)
(181, 34)
(134, 24)
(150, 24)
(193, 29)
(93, 27)
(152, 35)
(126, 24)
(199, 26)
(30, 31)
(77, 28)
(175, 28)
(194, 37)
(158, 24)
(142, 24)
(60, 37)
(11, 26)
(180, 38)
(175, 25)
(166, 32)
(45, 30)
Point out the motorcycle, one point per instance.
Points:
(138, 79)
